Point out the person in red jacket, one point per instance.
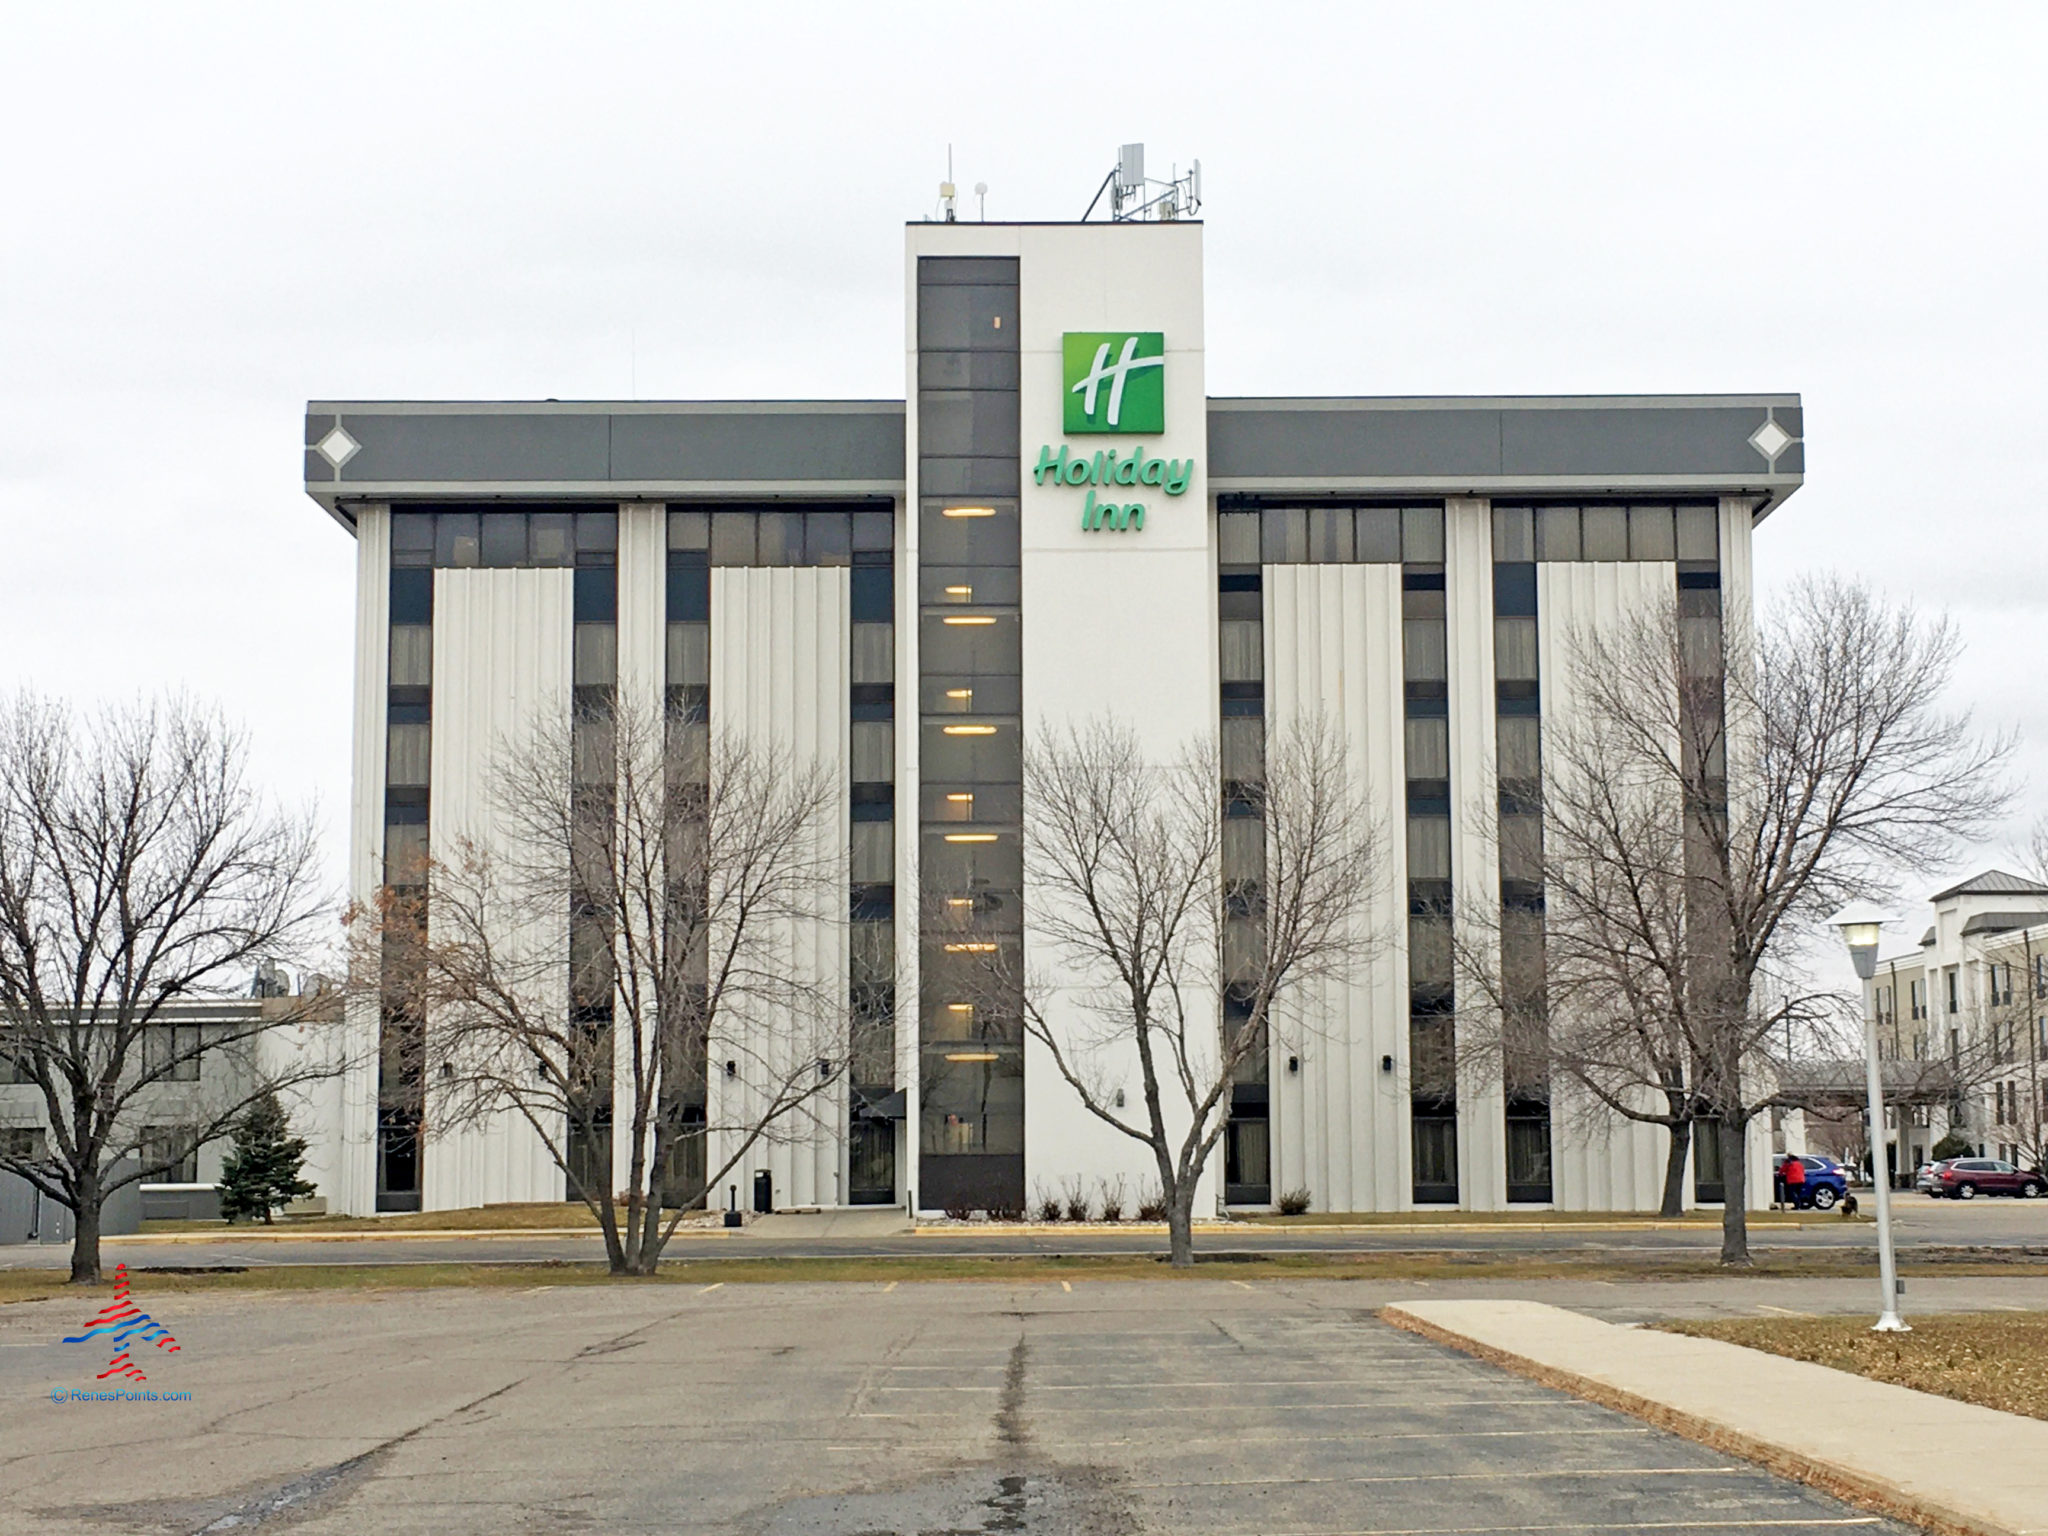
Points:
(1795, 1181)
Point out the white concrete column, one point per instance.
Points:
(342, 1160)
(1340, 1124)
(780, 678)
(1475, 811)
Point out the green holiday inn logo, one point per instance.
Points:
(1114, 381)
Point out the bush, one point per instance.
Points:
(1954, 1144)
(1006, 1213)
(960, 1212)
(1151, 1203)
(1112, 1198)
(1294, 1202)
(1076, 1200)
(1046, 1203)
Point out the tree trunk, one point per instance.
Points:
(1674, 1169)
(1734, 1191)
(1180, 1227)
(85, 1241)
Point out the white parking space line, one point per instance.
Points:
(1506, 1474)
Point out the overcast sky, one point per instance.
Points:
(212, 214)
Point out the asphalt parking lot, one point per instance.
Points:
(843, 1410)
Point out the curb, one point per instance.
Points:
(1852, 1487)
(442, 1234)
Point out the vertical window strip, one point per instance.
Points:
(1433, 1100)
(408, 761)
(1248, 1145)
(1518, 758)
(871, 872)
(970, 1112)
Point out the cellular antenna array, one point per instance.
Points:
(1133, 198)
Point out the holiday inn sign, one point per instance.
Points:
(1112, 382)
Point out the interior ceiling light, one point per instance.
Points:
(970, 730)
(959, 591)
(970, 949)
(970, 1055)
(968, 618)
(968, 512)
(961, 797)
(970, 837)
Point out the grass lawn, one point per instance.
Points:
(483, 1218)
(1996, 1359)
(1696, 1218)
(541, 1217)
(36, 1285)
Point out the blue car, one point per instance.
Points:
(1827, 1181)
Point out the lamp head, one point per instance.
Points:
(1861, 925)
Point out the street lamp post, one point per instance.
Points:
(1860, 927)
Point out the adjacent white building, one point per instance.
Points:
(1058, 520)
(1964, 1013)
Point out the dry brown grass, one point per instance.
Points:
(1995, 1359)
(486, 1218)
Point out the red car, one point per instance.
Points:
(1965, 1178)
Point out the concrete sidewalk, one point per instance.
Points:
(1952, 1467)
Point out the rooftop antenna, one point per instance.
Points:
(1133, 198)
(946, 188)
(981, 200)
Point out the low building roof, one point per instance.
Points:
(2004, 922)
(1993, 882)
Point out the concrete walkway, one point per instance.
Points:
(1952, 1467)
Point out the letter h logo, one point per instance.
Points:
(1114, 381)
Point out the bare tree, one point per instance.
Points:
(139, 870)
(1149, 955)
(650, 901)
(1712, 800)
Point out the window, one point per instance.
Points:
(1919, 999)
(24, 1144)
(2001, 984)
(1949, 982)
(169, 1155)
(170, 1053)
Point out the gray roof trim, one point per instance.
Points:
(612, 450)
(1529, 445)
(604, 407)
(1493, 402)
(1526, 485)
(609, 490)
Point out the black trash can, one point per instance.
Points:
(764, 1192)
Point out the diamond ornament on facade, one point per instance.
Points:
(337, 447)
(1770, 440)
